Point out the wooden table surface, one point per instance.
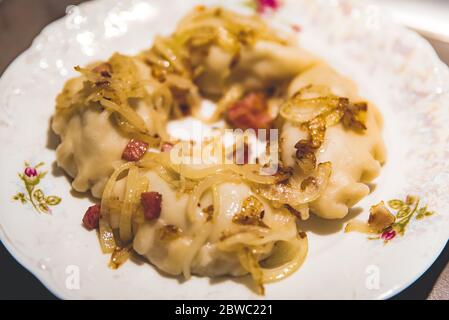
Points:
(20, 22)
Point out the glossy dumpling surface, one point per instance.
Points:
(356, 157)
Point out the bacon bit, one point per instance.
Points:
(91, 218)
(134, 150)
(166, 146)
(151, 203)
(296, 27)
(104, 69)
(250, 112)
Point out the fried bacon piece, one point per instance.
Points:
(104, 69)
(92, 217)
(134, 150)
(151, 203)
(250, 112)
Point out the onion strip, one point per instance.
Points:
(125, 227)
(291, 192)
(201, 188)
(107, 241)
(287, 258)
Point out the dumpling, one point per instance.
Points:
(209, 244)
(90, 145)
(91, 142)
(356, 157)
(265, 65)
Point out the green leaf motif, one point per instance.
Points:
(52, 200)
(42, 174)
(396, 204)
(403, 212)
(38, 195)
(20, 197)
(43, 207)
(422, 210)
(29, 187)
(401, 228)
(40, 164)
(34, 195)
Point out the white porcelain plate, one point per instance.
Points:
(394, 68)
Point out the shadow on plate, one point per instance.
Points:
(322, 226)
(53, 139)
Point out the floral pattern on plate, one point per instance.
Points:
(34, 195)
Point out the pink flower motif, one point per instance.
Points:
(30, 172)
(388, 235)
(263, 5)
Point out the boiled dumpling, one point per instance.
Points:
(265, 65)
(176, 244)
(91, 143)
(356, 157)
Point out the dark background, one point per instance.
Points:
(20, 22)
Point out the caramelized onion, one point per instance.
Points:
(119, 257)
(359, 226)
(291, 193)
